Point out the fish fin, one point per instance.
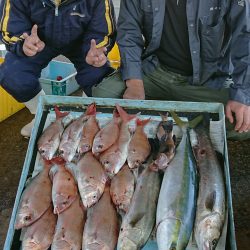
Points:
(210, 201)
(142, 122)
(124, 115)
(53, 171)
(91, 109)
(60, 114)
(183, 124)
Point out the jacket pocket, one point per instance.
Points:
(211, 38)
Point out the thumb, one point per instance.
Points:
(25, 35)
(229, 114)
(92, 44)
(34, 31)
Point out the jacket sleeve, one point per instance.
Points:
(239, 19)
(14, 22)
(130, 39)
(102, 26)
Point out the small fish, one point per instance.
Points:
(40, 234)
(69, 227)
(211, 203)
(89, 131)
(35, 200)
(115, 157)
(107, 136)
(49, 141)
(102, 225)
(167, 142)
(64, 189)
(122, 188)
(91, 179)
(72, 135)
(139, 147)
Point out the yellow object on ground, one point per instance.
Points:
(8, 105)
(114, 57)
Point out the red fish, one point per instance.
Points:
(139, 147)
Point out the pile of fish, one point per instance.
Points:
(113, 187)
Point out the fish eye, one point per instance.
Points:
(214, 242)
(100, 146)
(61, 152)
(27, 218)
(106, 162)
(42, 151)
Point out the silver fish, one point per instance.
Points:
(210, 214)
(177, 200)
(139, 221)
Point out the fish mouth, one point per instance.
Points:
(31, 244)
(61, 245)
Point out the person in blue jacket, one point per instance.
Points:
(34, 32)
(183, 50)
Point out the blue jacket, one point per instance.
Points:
(70, 22)
(219, 35)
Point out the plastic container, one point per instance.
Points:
(106, 106)
(58, 78)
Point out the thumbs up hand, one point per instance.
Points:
(96, 56)
(32, 43)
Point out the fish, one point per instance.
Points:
(89, 131)
(64, 189)
(107, 135)
(114, 158)
(36, 198)
(139, 221)
(49, 141)
(122, 189)
(72, 135)
(39, 235)
(139, 147)
(91, 179)
(102, 226)
(69, 227)
(167, 141)
(178, 195)
(211, 203)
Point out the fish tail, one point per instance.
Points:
(60, 114)
(124, 115)
(142, 122)
(183, 124)
(91, 109)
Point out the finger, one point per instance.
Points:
(239, 120)
(31, 46)
(40, 46)
(34, 30)
(93, 44)
(29, 52)
(246, 123)
(229, 114)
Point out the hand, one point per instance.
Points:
(135, 90)
(242, 115)
(96, 56)
(32, 43)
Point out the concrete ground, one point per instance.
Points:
(13, 149)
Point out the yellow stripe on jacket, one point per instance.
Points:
(109, 21)
(4, 24)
